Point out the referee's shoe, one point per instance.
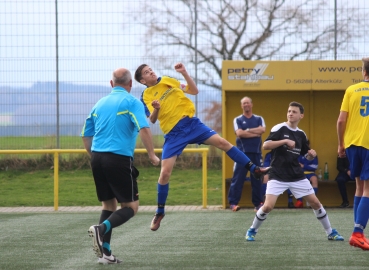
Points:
(94, 232)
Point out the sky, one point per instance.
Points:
(94, 37)
(91, 41)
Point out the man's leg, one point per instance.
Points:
(109, 207)
(322, 217)
(261, 216)
(290, 199)
(357, 200)
(341, 184)
(163, 189)
(117, 218)
(256, 185)
(235, 189)
(236, 155)
(264, 185)
(115, 180)
(256, 197)
(359, 160)
(314, 183)
(361, 215)
(105, 214)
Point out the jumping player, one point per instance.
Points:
(164, 99)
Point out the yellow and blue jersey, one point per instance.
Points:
(114, 123)
(356, 103)
(174, 104)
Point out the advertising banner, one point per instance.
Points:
(290, 75)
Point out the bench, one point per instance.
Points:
(328, 194)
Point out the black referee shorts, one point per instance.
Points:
(115, 177)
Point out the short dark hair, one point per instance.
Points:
(138, 73)
(366, 64)
(296, 104)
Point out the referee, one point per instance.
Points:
(109, 136)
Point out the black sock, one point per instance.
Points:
(105, 214)
(120, 216)
(249, 165)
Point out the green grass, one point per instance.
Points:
(288, 239)
(66, 142)
(47, 142)
(76, 187)
(78, 161)
(50, 142)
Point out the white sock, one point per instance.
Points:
(259, 218)
(322, 216)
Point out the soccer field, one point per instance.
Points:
(288, 239)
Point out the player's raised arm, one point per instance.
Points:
(192, 88)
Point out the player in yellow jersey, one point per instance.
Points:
(164, 99)
(353, 141)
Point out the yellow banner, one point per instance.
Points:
(290, 75)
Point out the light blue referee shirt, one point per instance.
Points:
(114, 123)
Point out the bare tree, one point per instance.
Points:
(205, 32)
(214, 115)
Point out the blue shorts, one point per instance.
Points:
(187, 131)
(359, 161)
(309, 175)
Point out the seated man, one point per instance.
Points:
(309, 167)
(343, 167)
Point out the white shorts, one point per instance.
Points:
(299, 188)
